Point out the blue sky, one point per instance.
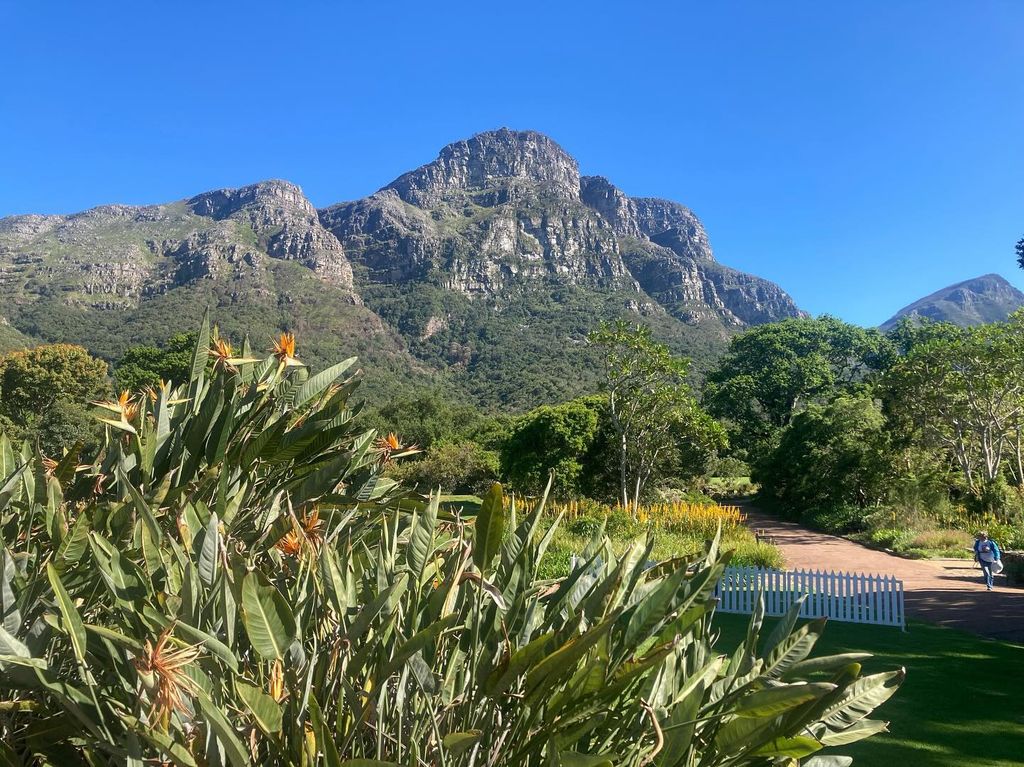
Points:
(859, 154)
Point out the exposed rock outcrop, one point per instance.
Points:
(509, 209)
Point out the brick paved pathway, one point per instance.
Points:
(949, 592)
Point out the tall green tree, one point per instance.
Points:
(773, 371)
(45, 394)
(554, 438)
(650, 404)
(830, 456)
(963, 391)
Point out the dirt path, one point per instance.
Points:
(949, 592)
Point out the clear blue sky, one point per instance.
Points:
(861, 154)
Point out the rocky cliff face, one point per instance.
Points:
(492, 160)
(500, 210)
(989, 298)
(113, 256)
(508, 210)
(285, 223)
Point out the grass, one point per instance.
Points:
(961, 703)
(468, 504)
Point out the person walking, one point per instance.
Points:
(986, 554)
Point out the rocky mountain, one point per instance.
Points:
(482, 270)
(506, 209)
(988, 298)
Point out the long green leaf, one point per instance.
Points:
(268, 618)
(489, 528)
(72, 620)
(861, 698)
(265, 710)
(209, 552)
(777, 700)
(421, 539)
(238, 755)
(795, 747)
(10, 616)
(460, 742)
(317, 384)
(862, 729)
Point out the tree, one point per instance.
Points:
(830, 456)
(772, 371)
(964, 391)
(143, 366)
(1019, 248)
(45, 394)
(650, 404)
(909, 332)
(429, 415)
(554, 438)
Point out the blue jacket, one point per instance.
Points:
(995, 549)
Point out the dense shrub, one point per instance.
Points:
(458, 467)
(555, 439)
(44, 396)
(831, 456)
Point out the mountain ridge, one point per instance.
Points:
(975, 301)
(495, 256)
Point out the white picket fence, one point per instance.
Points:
(847, 597)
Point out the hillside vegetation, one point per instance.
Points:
(230, 579)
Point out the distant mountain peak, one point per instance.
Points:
(988, 298)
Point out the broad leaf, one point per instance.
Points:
(489, 528)
(268, 619)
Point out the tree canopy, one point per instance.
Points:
(143, 366)
(554, 438)
(650, 405)
(772, 371)
(45, 391)
(963, 390)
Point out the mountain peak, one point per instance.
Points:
(274, 193)
(988, 298)
(488, 160)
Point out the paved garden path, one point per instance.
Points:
(949, 592)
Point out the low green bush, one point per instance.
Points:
(459, 467)
(894, 538)
(757, 554)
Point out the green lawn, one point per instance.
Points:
(468, 504)
(962, 703)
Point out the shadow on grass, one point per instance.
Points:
(961, 703)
